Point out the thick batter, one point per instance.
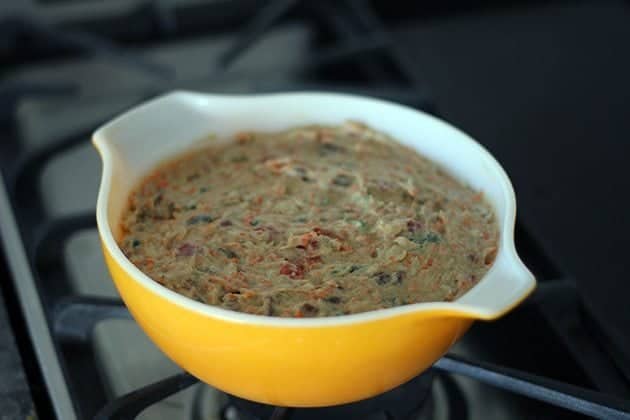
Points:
(313, 221)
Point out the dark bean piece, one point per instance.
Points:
(308, 309)
(203, 189)
(225, 223)
(407, 196)
(268, 305)
(398, 277)
(200, 218)
(186, 250)
(228, 253)
(381, 278)
(192, 177)
(158, 199)
(333, 299)
(240, 159)
(327, 148)
(254, 222)
(343, 180)
(413, 226)
(135, 243)
(191, 207)
(302, 173)
(354, 268)
(301, 219)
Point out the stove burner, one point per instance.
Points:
(403, 402)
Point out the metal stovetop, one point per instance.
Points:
(92, 355)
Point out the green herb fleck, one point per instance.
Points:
(343, 180)
(354, 267)
(200, 218)
(425, 238)
(360, 224)
(239, 159)
(228, 253)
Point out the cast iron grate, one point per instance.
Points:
(76, 318)
(359, 37)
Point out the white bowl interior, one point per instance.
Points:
(138, 140)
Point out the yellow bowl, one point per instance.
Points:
(298, 362)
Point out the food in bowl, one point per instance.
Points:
(312, 221)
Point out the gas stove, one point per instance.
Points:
(89, 359)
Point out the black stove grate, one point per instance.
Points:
(360, 38)
(79, 315)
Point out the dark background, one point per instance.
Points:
(547, 89)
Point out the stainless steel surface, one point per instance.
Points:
(32, 310)
(16, 400)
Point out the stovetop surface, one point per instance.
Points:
(547, 97)
(15, 397)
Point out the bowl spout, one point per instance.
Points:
(506, 284)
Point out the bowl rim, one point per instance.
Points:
(453, 308)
